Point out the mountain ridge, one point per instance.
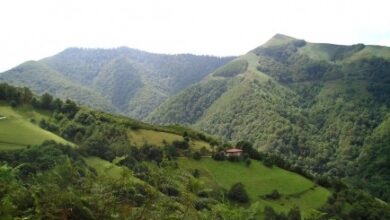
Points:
(155, 78)
(316, 104)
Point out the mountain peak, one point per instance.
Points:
(282, 36)
(279, 39)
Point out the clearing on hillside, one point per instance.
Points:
(17, 131)
(142, 136)
(259, 181)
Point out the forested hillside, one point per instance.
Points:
(111, 167)
(122, 80)
(323, 107)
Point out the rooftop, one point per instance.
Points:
(233, 150)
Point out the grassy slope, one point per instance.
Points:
(16, 130)
(142, 136)
(260, 180)
(104, 167)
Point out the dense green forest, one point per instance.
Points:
(98, 174)
(322, 107)
(121, 80)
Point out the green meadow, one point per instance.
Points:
(260, 180)
(140, 137)
(17, 131)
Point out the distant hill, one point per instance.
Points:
(324, 107)
(121, 80)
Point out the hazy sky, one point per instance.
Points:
(33, 29)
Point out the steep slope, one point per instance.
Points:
(123, 168)
(41, 78)
(17, 129)
(315, 104)
(119, 81)
(259, 181)
(374, 162)
(122, 80)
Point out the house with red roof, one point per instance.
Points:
(233, 152)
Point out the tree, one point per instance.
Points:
(70, 108)
(294, 214)
(219, 156)
(46, 101)
(270, 214)
(57, 104)
(238, 193)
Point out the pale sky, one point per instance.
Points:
(33, 29)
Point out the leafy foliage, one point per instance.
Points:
(58, 181)
(319, 106)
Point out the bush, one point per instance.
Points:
(268, 162)
(219, 156)
(233, 158)
(248, 162)
(197, 156)
(294, 214)
(238, 193)
(196, 173)
(170, 191)
(181, 144)
(274, 195)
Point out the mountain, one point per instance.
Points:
(121, 80)
(324, 107)
(59, 160)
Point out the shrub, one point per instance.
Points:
(181, 144)
(268, 162)
(273, 195)
(233, 158)
(169, 190)
(238, 193)
(248, 162)
(197, 156)
(294, 214)
(196, 173)
(13, 103)
(220, 156)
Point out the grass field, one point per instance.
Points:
(260, 180)
(104, 167)
(142, 136)
(16, 130)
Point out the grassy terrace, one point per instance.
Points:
(17, 131)
(260, 180)
(142, 136)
